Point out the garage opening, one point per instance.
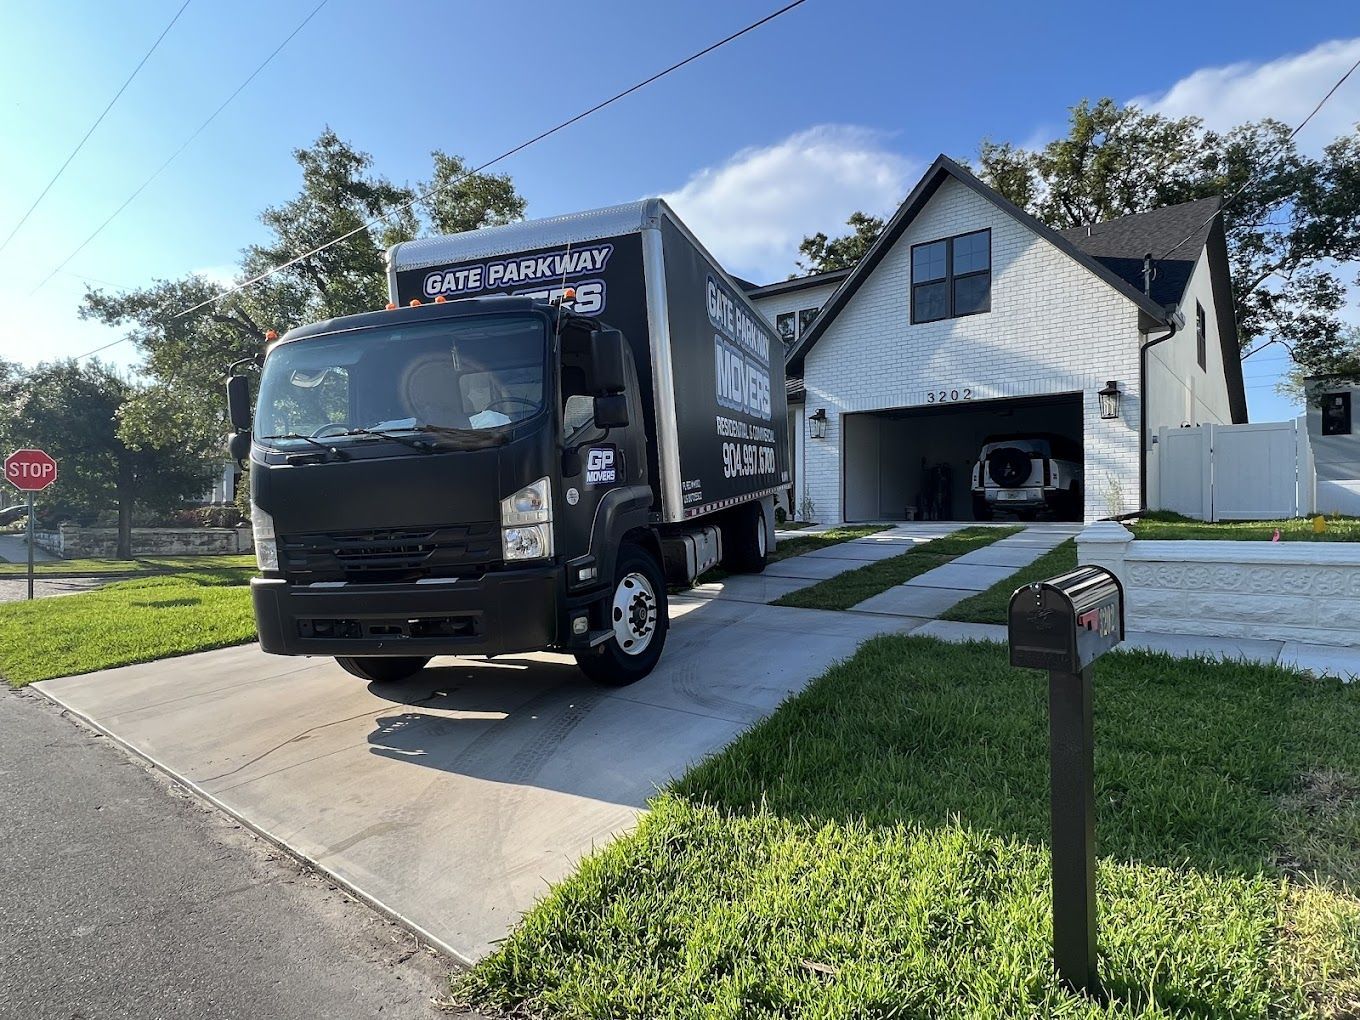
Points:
(917, 462)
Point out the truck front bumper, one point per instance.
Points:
(499, 612)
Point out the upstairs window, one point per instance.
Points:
(951, 277)
(792, 325)
(1201, 343)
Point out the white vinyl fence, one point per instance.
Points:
(1236, 472)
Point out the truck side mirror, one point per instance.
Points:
(611, 411)
(238, 403)
(608, 354)
(238, 446)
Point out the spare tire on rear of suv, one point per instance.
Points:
(1009, 466)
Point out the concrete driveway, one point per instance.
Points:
(454, 799)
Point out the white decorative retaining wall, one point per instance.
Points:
(1282, 591)
(71, 542)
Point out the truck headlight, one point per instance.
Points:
(527, 542)
(531, 505)
(266, 543)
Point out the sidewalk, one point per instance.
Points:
(14, 549)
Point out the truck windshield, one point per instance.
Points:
(476, 374)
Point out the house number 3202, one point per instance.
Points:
(945, 396)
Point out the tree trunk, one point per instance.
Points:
(125, 497)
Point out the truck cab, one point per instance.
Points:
(457, 478)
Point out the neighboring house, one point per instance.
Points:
(969, 318)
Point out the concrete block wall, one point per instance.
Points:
(1281, 591)
(1054, 327)
(71, 542)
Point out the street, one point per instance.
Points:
(125, 897)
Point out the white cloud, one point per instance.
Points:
(754, 209)
(223, 276)
(1286, 88)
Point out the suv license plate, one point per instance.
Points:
(1008, 494)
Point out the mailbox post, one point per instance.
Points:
(1063, 625)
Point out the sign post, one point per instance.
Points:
(30, 471)
(1063, 625)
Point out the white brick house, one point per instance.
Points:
(968, 318)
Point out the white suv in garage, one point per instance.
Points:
(1028, 475)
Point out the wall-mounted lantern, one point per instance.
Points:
(1109, 400)
(817, 423)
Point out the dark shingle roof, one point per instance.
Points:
(1120, 244)
(797, 283)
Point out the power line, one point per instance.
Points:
(81, 144)
(503, 156)
(1250, 177)
(175, 155)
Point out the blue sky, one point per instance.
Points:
(836, 106)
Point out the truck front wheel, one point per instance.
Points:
(744, 539)
(383, 670)
(639, 616)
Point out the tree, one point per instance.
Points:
(188, 354)
(120, 446)
(1294, 224)
(822, 255)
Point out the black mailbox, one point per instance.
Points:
(1063, 625)
(1068, 621)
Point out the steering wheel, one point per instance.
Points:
(531, 404)
(340, 428)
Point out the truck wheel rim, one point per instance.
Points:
(634, 614)
(761, 539)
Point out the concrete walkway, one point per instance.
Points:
(930, 594)
(797, 572)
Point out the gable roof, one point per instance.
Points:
(941, 170)
(1120, 244)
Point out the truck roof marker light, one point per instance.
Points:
(569, 294)
(414, 302)
(441, 300)
(270, 335)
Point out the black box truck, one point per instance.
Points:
(550, 422)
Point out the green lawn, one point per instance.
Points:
(1162, 524)
(877, 848)
(991, 606)
(854, 586)
(124, 622)
(141, 566)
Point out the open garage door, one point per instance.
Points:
(918, 461)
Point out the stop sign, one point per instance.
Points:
(30, 470)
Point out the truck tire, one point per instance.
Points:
(377, 669)
(640, 617)
(1009, 467)
(745, 542)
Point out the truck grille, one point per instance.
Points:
(396, 554)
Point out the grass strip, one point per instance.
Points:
(141, 566)
(878, 847)
(854, 586)
(991, 606)
(1163, 525)
(125, 622)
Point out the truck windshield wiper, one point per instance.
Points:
(415, 444)
(341, 454)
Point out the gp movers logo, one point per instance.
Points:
(602, 466)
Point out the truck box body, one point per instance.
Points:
(711, 370)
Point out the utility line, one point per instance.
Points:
(81, 144)
(175, 155)
(1250, 177)
(503, 156)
